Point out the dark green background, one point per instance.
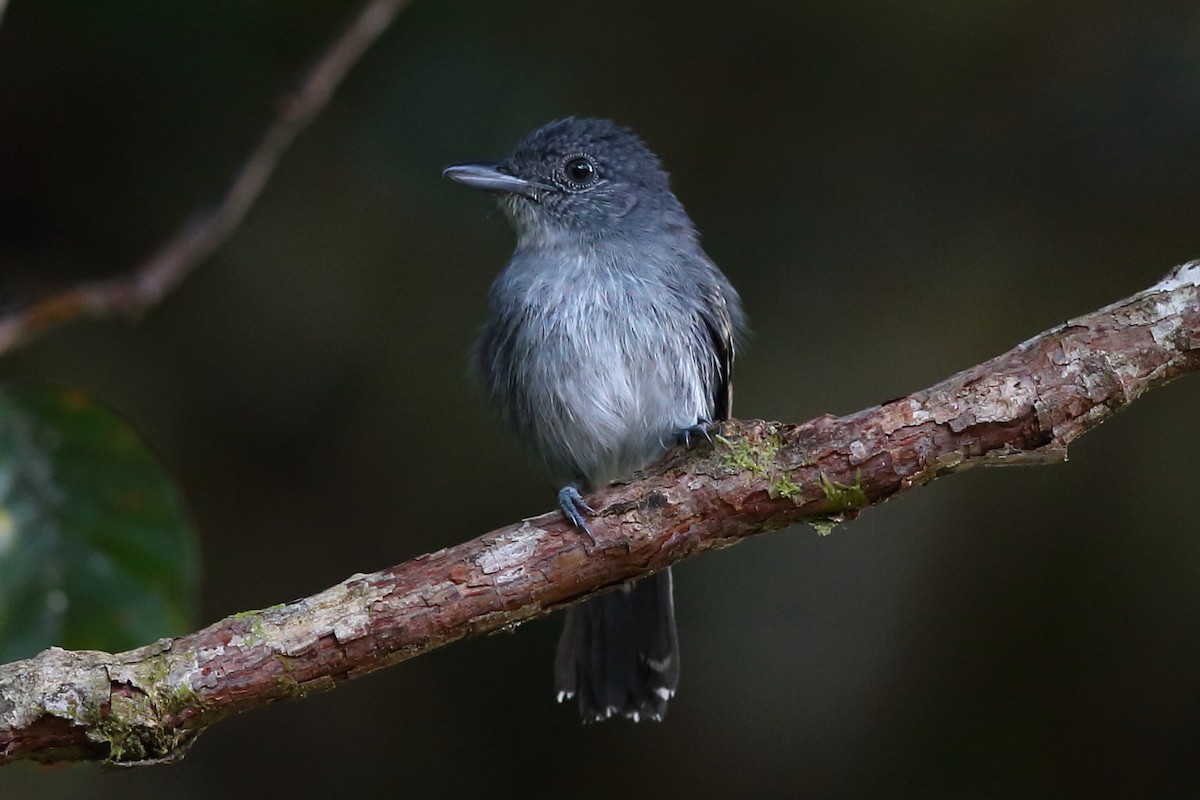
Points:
(899, 190)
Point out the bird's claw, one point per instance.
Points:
(702, 427)
(574, 507)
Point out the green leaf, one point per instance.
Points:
(96, 551)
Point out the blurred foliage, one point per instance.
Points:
(95, 549)
(898, 190)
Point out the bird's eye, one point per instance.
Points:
(580, 170)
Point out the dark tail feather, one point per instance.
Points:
(619, 653)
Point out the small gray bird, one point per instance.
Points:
(610, 338)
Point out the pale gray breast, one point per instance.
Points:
(596, 367)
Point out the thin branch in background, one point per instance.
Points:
(146, 706)
(150, 282)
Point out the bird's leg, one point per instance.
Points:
(574, 508)
(703, 427)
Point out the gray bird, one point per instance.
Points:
(610, 338)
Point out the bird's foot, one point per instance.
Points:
(574, 507)
(702, 428)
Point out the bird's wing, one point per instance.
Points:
(722, 322)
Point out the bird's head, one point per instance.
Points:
(578, 179)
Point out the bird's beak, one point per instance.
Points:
(490, 178)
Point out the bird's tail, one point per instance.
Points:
(619, 653)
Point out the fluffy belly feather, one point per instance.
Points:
(606, 403)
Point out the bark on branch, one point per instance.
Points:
(1024, 407)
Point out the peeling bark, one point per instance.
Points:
(1024, 407)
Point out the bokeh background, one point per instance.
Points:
(899, 190)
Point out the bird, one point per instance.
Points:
(609, 339)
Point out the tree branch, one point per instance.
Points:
(1024, 407)
(188, 247)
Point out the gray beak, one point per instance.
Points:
(489, 178)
